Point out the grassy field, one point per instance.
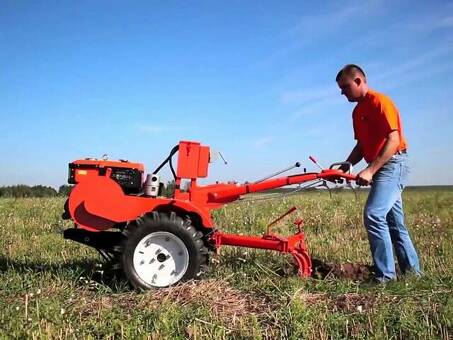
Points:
(53, 288)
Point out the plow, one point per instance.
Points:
(159, 241)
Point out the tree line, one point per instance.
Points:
(23, 190)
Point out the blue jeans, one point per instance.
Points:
(384, 221)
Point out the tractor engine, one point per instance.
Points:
(128, 175)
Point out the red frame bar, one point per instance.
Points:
(294, 245)
(233, 192)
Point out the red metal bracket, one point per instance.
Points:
(294, 245)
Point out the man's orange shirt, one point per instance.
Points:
(373, 119)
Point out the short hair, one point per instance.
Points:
(350, 70)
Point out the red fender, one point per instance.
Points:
(98, 203)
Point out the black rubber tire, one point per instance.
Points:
(168, 222)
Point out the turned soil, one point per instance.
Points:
(350, 271)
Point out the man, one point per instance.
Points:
(380, 141)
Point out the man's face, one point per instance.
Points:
(350, 87)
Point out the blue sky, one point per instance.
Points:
(253, 79)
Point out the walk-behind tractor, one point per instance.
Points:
(159, 241)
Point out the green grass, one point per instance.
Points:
(53, 288)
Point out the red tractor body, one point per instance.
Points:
(112, 195)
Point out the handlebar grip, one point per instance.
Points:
(335, 174)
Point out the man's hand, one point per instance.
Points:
(365, 176)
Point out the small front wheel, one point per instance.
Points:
(162, 249)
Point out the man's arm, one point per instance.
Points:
(387, 151)
(354, 157)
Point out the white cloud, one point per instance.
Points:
(312, 101)
(440, 18)
(316, 27)
(261, 142)
(156, 128)
(320, 107)
(308, 95)
(424, 66)
(317, 100)
(312, 26)
(445, 22)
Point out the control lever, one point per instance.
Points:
(279, 172)
(316, 162)
(223, 159)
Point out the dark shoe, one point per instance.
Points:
(411, 274)
(382, 281)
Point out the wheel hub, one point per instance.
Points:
(161, 259)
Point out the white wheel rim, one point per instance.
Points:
(161, 259)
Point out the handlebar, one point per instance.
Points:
(230, 193)
(349, 164)
(335, 175)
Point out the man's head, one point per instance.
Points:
(352, 81)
